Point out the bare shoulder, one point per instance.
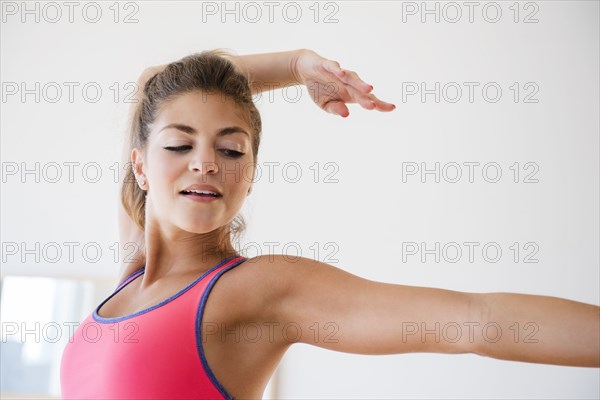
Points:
(259, 285)
(277, 273)
(262, 276)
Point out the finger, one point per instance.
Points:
(382, 105)
(352, 78)
(370, 101)
(336, 107)
(334, 68)
(363, 99)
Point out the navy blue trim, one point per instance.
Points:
(199, 315)
(100, 319)
(126, 279)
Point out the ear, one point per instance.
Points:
(137, 165)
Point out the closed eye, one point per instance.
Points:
(232, 153)
(178, 148)
(227, 152)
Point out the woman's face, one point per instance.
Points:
(197, 139)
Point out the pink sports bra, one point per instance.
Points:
(155, 353)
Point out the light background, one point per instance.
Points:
(370, 212)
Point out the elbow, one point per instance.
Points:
(463, 335)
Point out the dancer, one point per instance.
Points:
(193, 318)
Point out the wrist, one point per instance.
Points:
(295, 56)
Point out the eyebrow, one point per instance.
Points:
(191, 131)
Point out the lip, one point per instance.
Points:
(203, 187)
(200, 199)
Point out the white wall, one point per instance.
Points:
(370, 212)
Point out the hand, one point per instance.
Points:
(332, 87)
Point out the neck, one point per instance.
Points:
(172, 253)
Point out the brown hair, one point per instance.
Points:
(210, 71)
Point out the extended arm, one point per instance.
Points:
(541, 329)
(380, 318)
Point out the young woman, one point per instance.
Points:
(193, 148)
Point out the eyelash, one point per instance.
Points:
(235, 154)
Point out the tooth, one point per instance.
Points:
(208, 192)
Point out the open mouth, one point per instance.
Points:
(200, 193)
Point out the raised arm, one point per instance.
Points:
(356, 315)
(131, 237)
(329, 86)
(266, 71)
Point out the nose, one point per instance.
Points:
(204, 162)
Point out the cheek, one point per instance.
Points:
(236, 177)
(238, 172)
(164, 170)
